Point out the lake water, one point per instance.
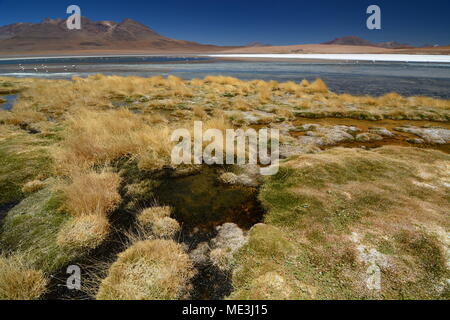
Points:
(430, 79)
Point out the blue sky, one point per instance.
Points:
(237, 22)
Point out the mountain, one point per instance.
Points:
(393, 45)
(357, 41)
(258, 44)
(350, 41)
(53, 35)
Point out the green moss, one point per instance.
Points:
(32, 226)
(316, 201)
(20, 161)
(426, 249)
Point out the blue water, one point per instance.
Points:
(10, 99)
(361, 78)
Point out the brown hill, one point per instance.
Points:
(53, 35)
(357, 41)
(350, 41)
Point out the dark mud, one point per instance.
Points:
(200, 204)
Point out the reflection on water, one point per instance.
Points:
(430, 79)
(9, 103)
(201, 203)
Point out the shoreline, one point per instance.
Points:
(344, 57)
(397, 57)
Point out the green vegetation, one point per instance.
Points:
(78, 156)
(22, 159)
(32, 227)
(328, 212)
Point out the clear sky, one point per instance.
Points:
(237, 22)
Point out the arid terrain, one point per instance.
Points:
(51, 37)
(358, 210)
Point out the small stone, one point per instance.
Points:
(200, 255)
(416, 141)
(381, 132)
(433, 135)
(368, 137)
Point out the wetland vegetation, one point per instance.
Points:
(86, 179)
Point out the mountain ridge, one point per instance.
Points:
(52, 34)
(357, 41)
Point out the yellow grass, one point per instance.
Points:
(148, 270)
(85, 232)
(33, 186)
(92, 193)
(18, 281)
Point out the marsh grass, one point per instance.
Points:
(32, 227)
(22, 159)
(20, 281)
(105, 135)
(148, 270)
(316, 202)
(92, 193)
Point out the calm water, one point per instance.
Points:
(355, 78)
(8, 104)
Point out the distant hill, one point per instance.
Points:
(52, 34)
(257, 44)
(350, 41)
(357, 41)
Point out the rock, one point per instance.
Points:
(308, 127)
(229, 236)
(200, 255)
(348, 129)
(381, 132)
(287, 151)
(326, 135)
(416, 141)
(256, 117)
(429, 135)
(242, 179)
(337, 135)
(368, 137)
(228, 178)
(228, 240)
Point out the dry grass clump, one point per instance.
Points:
(199, 112)
(165, 228)
(92, 193)
(99, 137)
(197, 82)
(158, 221)
(222, 258)
(20, 117)
(270, 286)
(85, 232)
(18, 281)
(304, 83)
(149, 270)
(223, 80)
(318, 86)
(33, 186)
(149, 215)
